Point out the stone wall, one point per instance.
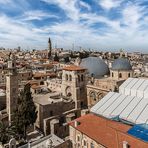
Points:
(80, 140)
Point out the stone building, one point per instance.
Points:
(50, 141)
(101, 79)
(11, 86)
(74, 84)
(121, 69)
(119, 120)
(63, 102)
(92, 131)
(49, 105)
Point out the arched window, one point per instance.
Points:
(112, 74)
(120, 75)
(82, 78)
(78, 78)
(41, 83)
(70, 78)
(92, 145)
(93, 95)
(66, 76)
(51, 113)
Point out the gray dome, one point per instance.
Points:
(95, 66)
(121, 64)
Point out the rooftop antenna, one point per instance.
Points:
(56, 45)
(73, 47)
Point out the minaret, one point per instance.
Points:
(49, 48)
(11, 86)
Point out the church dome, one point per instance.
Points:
(121, 64)
(95, 66)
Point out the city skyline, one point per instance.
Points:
(95, 24)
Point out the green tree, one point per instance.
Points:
(25, 113)
(6, 132)
(66, 59)
(56, 58)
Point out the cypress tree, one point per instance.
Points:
(56, 58)
(25, 113)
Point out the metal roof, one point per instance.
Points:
(135, 87)
(121, 64)
(95, 66)
(129, 108)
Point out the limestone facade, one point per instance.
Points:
(74, 86)
(79, 140)
(121, 74)
(97, 89)
(11, 87)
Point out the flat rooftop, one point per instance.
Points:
(49, 98)
(45, 141)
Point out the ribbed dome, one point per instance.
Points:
(95, 66)
(121, 64)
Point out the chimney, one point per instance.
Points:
(76, 123)
(125, 144)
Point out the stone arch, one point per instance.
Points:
(82, 77)
(120, 75)
(68, 91)
(79, 78)
(66, 77)
(12, 143)
(92, 95)
(42, 83)
(99, 95)
(112, 74)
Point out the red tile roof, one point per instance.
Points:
(39, 75)
(73, 68)
(35, 86)
(106, 132)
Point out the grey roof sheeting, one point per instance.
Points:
(128, 108)
(121, 64)
(95, 66)
(135, 87)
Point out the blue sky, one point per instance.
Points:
(95, 24)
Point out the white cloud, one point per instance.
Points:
(115, 36)
(14, 33)
(109, 4)
(85, 5)
(69, 6)
(5, 1)
(36, 15)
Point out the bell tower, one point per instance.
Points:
(74, 85)
(49, 48)
(11, 86)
